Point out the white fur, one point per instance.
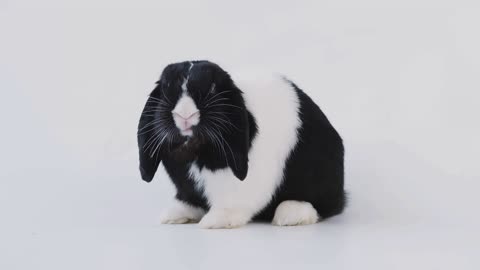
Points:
(185, 114)
(184, 85)
(180, 212)
(185, 81)
(291, 213)
(225, 218)
(275, 106)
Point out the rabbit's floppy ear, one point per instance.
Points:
(236, 143)
(239, 143)
(149, 160)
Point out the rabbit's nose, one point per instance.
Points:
(186, 117)
(186, 114)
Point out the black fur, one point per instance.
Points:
(313, 171)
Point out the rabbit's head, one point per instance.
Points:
(195, 112)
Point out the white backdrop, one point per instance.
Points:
(399, 81)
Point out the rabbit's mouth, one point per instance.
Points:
(186, 115)
(188, 132)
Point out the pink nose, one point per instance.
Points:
(185, 117)
(185, 122)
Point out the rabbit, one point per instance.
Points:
(238, 151)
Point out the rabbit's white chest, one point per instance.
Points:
(223, 190)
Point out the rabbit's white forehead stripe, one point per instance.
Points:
(185, 81)
(184, 85)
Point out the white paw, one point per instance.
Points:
(181, 212)
(291, 213)
(176, 220)
(224, 219)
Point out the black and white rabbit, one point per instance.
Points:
(240, 151)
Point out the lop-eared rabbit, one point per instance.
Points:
(238, 151)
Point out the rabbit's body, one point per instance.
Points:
(294, 162)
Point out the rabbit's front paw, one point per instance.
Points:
(224, 219)
(181, 212)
